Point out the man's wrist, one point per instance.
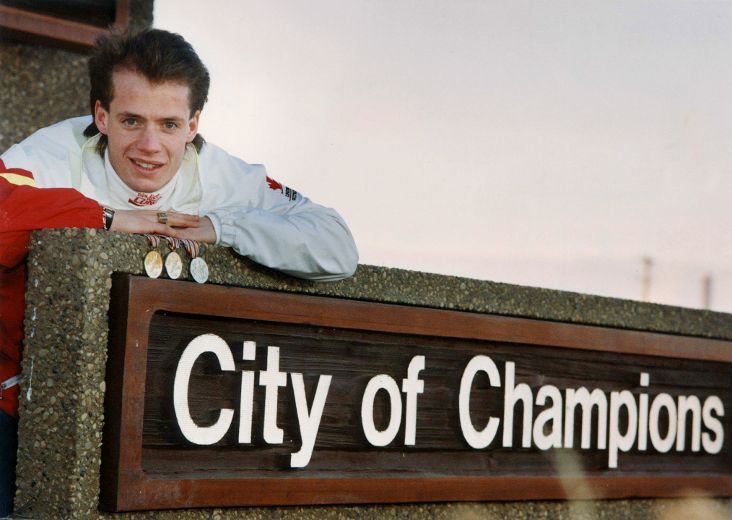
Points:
(108, 215)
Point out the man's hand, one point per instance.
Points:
(179, 225)
(204, 232)
(146, 221)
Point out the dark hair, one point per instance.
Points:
(160, 56)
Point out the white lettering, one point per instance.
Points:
(513, 394)
(412, 386)
(662, 444)
(587, 400)
(713, 404)
(374, 436)
(689, 404)
(477, 439)
(309, 420)
(247, 395)
(552, 415)
(624, 418)
(271, 379)
(616, 440)
(202, 435)
(643, 414)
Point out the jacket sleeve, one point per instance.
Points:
(24, 208)
(278, 227)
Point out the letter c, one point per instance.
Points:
(202, 435)
(477, 439)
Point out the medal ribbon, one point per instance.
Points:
(192, 247)
(153, 239)
(173, 243)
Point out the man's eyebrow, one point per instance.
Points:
(124, 115)
(172, 119)
(177, 119)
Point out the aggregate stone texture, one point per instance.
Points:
(39, 86)
(62, 392)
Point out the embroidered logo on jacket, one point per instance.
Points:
(144, 199)
(274, 185)
(287, 192)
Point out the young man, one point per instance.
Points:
(140, 166)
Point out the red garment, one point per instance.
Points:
(24, 208)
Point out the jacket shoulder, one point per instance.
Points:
(227, 180)
(218, 161)
(49, 152)
(64, 133)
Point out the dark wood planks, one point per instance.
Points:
(149, 464)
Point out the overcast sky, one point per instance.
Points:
(552, 144)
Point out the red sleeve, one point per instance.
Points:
(24, 208)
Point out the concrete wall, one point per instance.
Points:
(65, 355)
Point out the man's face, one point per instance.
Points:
(148, 127)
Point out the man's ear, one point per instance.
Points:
(101, 118)
(192, 126)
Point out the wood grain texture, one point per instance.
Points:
(147, 463)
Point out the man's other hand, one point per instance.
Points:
(203, 232)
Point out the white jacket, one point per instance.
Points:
(251, 213)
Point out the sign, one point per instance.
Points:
(220, 396)
(75, 24)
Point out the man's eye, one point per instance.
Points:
(130, 121)
(170, 125)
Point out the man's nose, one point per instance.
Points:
(149, 140)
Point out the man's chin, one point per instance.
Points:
(147, 189)
(145, 185)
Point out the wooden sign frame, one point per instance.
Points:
(126, 486)
(36, 26)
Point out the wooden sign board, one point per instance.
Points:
(220, 396)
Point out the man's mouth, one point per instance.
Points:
(146, 166)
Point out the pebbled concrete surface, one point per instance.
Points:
(65, 354)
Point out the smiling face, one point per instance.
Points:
(148, 126)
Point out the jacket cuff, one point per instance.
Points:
(216, 225)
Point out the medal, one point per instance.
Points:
(153, 259)
(199, 270)
(173, 262)
(198, 267)
(173, 265)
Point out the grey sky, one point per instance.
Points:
(542, 143)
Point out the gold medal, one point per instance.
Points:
(173, 262)
(173, 265)
(153, 264)
(153, 259)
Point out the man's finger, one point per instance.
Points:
(181, 220)
(203, 233)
